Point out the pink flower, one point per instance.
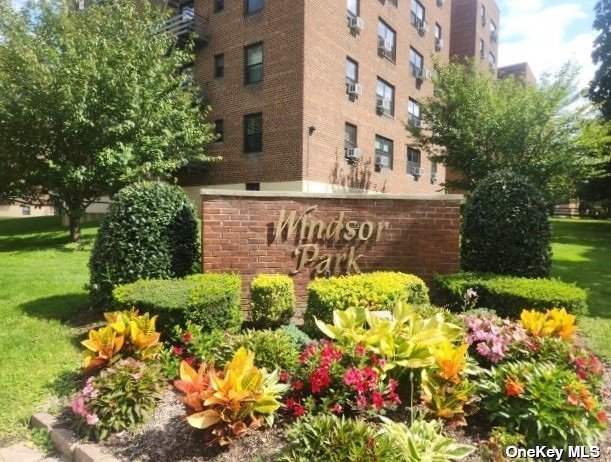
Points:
(92, 419)
(360, 350)
(361, 401)
(337, 409)
(580, 362)
(178, 351)
(78, 406)
(190, 360)
(377, 400)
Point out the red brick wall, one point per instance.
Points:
(238, 228)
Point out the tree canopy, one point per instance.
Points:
(600, 87)
(477, 125)
(91, 100)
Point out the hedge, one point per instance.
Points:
(211, 301)
(376, 291)
(508, 295)
(272, 300)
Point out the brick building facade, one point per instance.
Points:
(277, 76)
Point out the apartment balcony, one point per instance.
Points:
(187, 23)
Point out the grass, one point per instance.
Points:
(582, 254)
(42, 297)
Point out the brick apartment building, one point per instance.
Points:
(475, 32)
(520, 71)
(314, 95)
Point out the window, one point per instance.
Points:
(219, 5)
(433, 171)
(413, 113)
(438, 40)
(483, 14)
(482, 53)
(253, 133)
(416, 62)
(386, 35)
(253, 6)
(350, 136)
(385, 93)
(491, 61)
(253, 186)
(25, 210)
(352, 72)
(493, 33)
(417, 15)
(353, 8)
(219, 66)
(219, 130)
(413, 160)
(253, 71)
(384, 147)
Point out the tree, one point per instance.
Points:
(600, 87)
(91, 100)
(477, 125)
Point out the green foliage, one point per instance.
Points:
(119, 398)
(545, 403)
(505, 228)
(334, 439)
(375, 291)
(211, 301)
(480, 124)
(90, 101)
(600, 87)
(273, 349)
(423, 441)
(272, 300)
(150, 231)
(508, 295)
(42, 440)
(299, 338)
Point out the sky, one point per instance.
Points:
(547, 34)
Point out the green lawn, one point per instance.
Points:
(582, 254)
(42, 302)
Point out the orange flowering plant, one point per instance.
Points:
(546, 403)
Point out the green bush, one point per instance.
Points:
(508, 295)
(375, 291)
(150, 231)
(505, 228)
(332, 439)
(211, 301)
(273, 349)
(299, 338)
(272, 300)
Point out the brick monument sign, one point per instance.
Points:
(314, 235)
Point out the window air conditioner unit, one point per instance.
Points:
(383, 105)
(353, 153)
(385, 46)
(357, 23)
(416, 123)
(434, 177)
(422, 26)
(417, 171)
(429, 74)
(355, 89)
(382, 161)
(439, 3)
(438, 44)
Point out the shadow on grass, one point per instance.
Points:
(70, 309)
(40, 233)
(66, 383)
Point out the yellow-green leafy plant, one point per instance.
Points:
(231, 402)
(552, 323)
(127, 334)
(402, 338)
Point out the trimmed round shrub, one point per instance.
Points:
(272, 300)
(380, 290)
(211, 301)
(299, 338)
(150, 231)
(506, 229)
(508, 295)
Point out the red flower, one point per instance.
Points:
(320, 379)
(377, 400)
(283, 377)
(513, 387)
(190, 360)
(360, 350)
(178, 351)
(298, 410)
(297, 385)
(337, 409)
(581, 374)
(602, 416)
(186, 337)
(329, 354)
(290, 403)
(306, 354)
(361, 401)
